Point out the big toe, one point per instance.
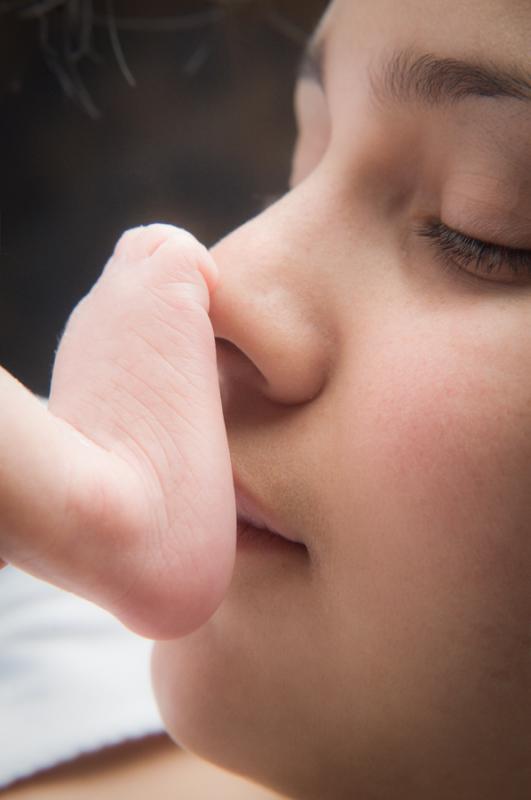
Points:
(172, 252)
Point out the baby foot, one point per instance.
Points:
(135, 383)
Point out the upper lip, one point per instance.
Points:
(250, 510)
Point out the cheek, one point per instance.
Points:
(428, 568)
(438, 464)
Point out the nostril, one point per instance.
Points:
(234, 364)
(242, 386)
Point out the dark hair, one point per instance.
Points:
(66, 33)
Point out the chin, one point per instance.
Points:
(205, 706)
(217, 704)
(245, 691)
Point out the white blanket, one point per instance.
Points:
(72, 678)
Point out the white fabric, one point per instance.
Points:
(72, 678)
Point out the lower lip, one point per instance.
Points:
(251, 538)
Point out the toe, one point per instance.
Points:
(141, 242)
(171, 250)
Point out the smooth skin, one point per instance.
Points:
(377, 397)
(122, 490)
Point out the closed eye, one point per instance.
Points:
(493, 262)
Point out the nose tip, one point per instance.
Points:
(275, 329)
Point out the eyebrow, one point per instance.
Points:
(406, 76)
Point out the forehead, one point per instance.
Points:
(500, 29)
(372, 56)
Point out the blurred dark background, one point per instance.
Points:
(201, 140)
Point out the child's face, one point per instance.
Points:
(377, 395)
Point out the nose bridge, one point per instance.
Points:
(273, 301)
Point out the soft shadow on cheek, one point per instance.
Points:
(440, 464)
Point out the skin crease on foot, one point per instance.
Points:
(130, 474)
(374, 365)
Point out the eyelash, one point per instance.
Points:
(470, 255)
(461, 252)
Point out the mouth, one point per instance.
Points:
(248, 536)
(257, 529)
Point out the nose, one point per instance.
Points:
(270, 315)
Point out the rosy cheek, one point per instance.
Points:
(439, 467)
